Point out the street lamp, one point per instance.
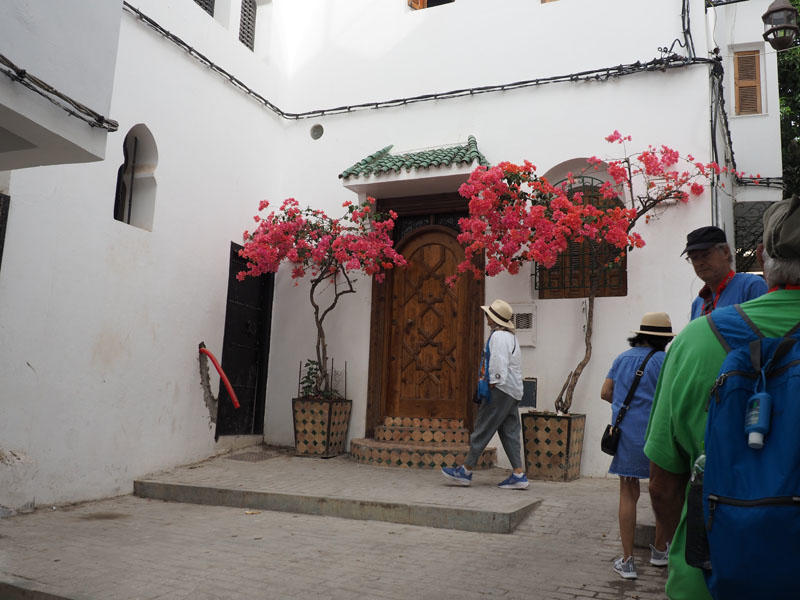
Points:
(780, 24)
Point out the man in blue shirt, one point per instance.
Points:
(708, 252)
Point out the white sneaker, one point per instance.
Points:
(625, 568)
(659, 558)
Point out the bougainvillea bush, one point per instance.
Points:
(326, 250)
(516, 217)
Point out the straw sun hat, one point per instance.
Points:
(656, 323)
(501, 313)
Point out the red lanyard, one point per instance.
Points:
(710, 300)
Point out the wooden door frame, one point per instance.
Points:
(379, 351)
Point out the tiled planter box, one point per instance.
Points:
(320, 426)
(553, 445)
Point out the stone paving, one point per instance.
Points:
(130, 548)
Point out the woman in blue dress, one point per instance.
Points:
(630, 462)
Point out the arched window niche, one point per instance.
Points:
(581, 264)
(135, 198)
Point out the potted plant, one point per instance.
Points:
(516, 217)
(327, 252)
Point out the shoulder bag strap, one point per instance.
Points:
(728, 328)
(632, 389)
(486, 354)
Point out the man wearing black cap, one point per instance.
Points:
(708, 251)
(675, 434)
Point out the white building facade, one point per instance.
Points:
(112, 272)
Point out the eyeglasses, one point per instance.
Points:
(699, 255)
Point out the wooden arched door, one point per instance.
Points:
(430, 365)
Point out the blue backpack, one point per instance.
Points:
(747, 538)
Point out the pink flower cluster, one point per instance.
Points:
(658, 169)
(516, 216)
(317, 244)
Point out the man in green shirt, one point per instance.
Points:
(677, 421)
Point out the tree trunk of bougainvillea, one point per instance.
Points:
(564, 401)
(322, 359)
(324, 378)
(322, 348)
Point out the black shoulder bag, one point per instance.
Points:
(611, 435)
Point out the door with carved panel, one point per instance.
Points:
(430, 370)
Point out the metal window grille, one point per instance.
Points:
(206, 5)
(748, 229)
(407, 224)
(523, 320)
(247, 25)
(585, 264)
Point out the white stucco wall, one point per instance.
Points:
(71, 46)
(102, 320)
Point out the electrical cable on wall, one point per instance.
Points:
(666, 62)
(45, 90)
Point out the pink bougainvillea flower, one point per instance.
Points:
(516, 216)
(322, 248)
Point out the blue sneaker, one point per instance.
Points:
(514, 482)
(457, 474)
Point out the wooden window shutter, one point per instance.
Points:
(206, 5)
(747, 82)
(247, 24)
(417, 4)
(571, 276)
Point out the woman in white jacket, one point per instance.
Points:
(499, 412)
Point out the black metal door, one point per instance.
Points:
(245, 350)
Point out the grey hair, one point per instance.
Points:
(781, 271)
(722, 245)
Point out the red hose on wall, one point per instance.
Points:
(222, 376)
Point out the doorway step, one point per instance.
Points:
(418, 443)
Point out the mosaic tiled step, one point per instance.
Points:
(421, 435)
(424, 422)
(415, 455)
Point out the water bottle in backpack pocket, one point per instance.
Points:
(751, 483)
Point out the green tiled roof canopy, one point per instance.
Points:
(383, 161)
